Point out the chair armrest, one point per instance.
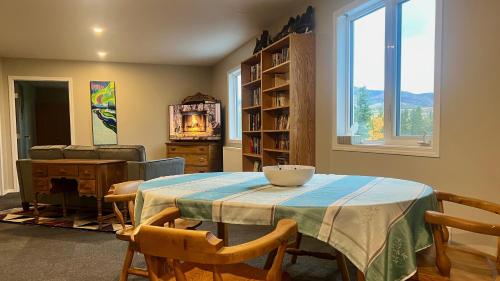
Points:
(468, 201)
(160, 219)
(119, 197)
(160, 168)
(261, 246)
(438, 218)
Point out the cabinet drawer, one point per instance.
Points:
(86, 187)
(63, 170)
(86, 172)
(197, 160)
(39, 170)
(187, 149)
(195, 169)
(41, 184)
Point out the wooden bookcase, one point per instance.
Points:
(278, 104)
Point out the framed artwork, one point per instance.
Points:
(103, 106)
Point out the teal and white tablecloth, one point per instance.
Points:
(378, 223)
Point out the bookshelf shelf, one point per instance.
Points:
(248, 108)
(284, 87)
(276, 108)
(278, 104)
(276, 150)
(280, 68)
(276, 131)
(252, 84)
(252, 155)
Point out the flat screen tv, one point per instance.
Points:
(200, 121)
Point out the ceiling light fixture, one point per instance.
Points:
(102, 54)
(98, 30)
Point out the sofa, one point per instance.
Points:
(138, 167)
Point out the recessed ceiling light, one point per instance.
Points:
(98, 30)
(102, 54)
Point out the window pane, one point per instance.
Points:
(235, 105)
(367, 66)
(238, 107)
(415, 98)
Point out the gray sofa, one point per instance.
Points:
(135, 155)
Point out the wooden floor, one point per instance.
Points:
(466, 265)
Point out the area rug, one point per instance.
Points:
(53, 216)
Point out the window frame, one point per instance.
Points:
(392, 144)
(234, 122)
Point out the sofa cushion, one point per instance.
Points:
(80, 152)
(47, 152)
(122, 152)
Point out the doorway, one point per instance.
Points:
(41, 114)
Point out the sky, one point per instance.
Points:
(417, 52)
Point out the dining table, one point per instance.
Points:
(376, 222)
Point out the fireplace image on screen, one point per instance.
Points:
(194, 122)
(200, 121)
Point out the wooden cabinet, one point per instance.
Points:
(200, 157)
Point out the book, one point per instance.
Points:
(255, 72)
(280, 57)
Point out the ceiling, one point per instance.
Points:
(181, 32)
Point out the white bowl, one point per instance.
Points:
(288, 175)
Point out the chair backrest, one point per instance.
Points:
(202, 247)
(440, 221)
(123, 192)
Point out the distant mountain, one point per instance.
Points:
(409, 100)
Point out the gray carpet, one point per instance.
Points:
(31, 252)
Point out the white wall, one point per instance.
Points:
(470, 138)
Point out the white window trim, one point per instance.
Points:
(233, 104)
(392, 144)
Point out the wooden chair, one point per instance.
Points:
(468, 264)
(125, 193)
(200, 255)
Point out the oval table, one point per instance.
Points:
(378, 223)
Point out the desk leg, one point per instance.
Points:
(360, 275)
(35, 208)
(222, 232)
(99, 212)
(65, 211)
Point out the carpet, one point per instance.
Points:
(52, 216)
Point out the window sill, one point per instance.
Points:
(234, 143)
(421, 151)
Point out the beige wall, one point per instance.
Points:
(470, 100)
(143, 93)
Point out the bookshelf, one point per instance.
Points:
(278, 104)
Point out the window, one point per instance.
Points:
(234, 90)
(387, 59)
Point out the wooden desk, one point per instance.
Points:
(90, 178)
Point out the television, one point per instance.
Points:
(199, 121)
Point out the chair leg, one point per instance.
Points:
(442, 261)
(298, 240)
(341, 264)
(129, 256)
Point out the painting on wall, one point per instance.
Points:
(103, 106)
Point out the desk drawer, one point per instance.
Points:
(86, 187)
(195, 169)
(86, 172)
(188, 149)
(39, 170)
(197, 160)
(63, 170)
(41, 184)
